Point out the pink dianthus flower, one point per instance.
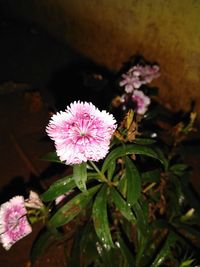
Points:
(139, 75)
(13, 222)
(81, 133)
(130, 82)
(142, 101)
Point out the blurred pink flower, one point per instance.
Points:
(59, 199)
(81, 133)
(130, 82)
(142, 101)
(33, 201)
(145, 73)
(13, 222)
(139, 75)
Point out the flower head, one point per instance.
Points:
(13, 222)
(130, 82)
(137, 76)
(81, 133)
(142, 101)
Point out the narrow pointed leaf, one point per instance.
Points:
(179, 169)
(63, 186)
(58, 188)
(80, 176)
(111, 170)
(74, 258)
(133, 182)
(141, 220)
(88, 251)
(188, 263)
(128, 150)
(100, 218)
(122, 206)
(165, 250)
(162, 157)
(143, 232)
(122, 186)
(128, 257)
(144, 141)
(190, 193)
(151, 176)
(111, 258)
(72, 208)
(44, 239)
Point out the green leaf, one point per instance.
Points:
(162, 157)
(80, 176)
(111, 170)
(151, 176)
(88, 241)
(144, 141)
(58, 188)
(74, 257)
(165, 250)
(52, 157)
(176, 196)
(178, 169)
(122, 186)
(100, 218)
(63, 186)
(72, 208)
(109, 257)
(128, 257)
(133, 182)
(189, 231)
(44, 239)
(122, 206)
(187, 263)
(190, 193)
(141, 218)
(128, 150)
(143, 230)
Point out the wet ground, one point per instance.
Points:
(38, 75)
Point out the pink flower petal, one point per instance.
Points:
(13, 222)
(142, 101)
(81, 133)
(138, 75)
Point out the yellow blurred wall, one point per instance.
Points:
(110, 31)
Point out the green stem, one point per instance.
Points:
(101, 175)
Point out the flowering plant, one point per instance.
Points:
(128, 200)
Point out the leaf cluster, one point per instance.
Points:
(136, 208)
